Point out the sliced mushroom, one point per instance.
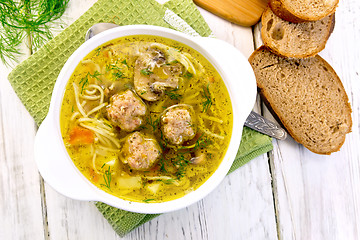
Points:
(153, 74)
(199, 158)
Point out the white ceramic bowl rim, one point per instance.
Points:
(53, 160)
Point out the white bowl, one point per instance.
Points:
(57, 168)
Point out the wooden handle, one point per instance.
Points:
(243, 12)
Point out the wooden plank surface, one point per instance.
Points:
(293, 194)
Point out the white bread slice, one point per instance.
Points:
(303, 10)
(307, 96)
(298, 40)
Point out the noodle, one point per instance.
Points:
(92, 92)
(81, 110)
(100, 90)
(95, 109)
(75, 114)
(103, 140)
(87, 97)
(99, 123)
(103, 132)
(212, 134)
(214, 119)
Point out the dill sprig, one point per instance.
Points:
(27, 20)
(181, 163)
(207, 98)
(107, 179)
(84, 82)
(154, 123)
(173, 94)
(117, 71)
(202, 142)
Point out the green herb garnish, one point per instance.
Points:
(188, 75)
(30, 21)
(148, 200)
(125, 63)
(206, 95)
(180, 162)
(84, 82)
(95, 75)
(117, 70)
(168, 181)
(162, 164)
(107, 179)
(145, 72)
(97, 51)
(202, 142)
(173, 95)
(108, 125)
(118, 74)
(154, 123)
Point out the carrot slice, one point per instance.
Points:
(79, 135)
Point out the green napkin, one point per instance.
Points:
(34, 78)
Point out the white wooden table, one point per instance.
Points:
(289, 193)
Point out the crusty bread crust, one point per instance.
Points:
(299, 40)
(280, 8)
(309, 99)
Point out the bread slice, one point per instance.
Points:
(303, 10)
(298, 40)
(307, 96)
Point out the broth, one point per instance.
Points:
(146, 118)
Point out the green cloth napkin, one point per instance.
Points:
(34, 78)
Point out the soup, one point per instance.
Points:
(146, 118)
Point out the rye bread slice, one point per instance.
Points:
(297, 40)
(307, 96)
(303, 10)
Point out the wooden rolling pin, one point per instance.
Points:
(243, 12)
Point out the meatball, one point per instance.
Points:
(178, 124)
(126, 111)
(139, 152)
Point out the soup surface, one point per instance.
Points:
(146, 118)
